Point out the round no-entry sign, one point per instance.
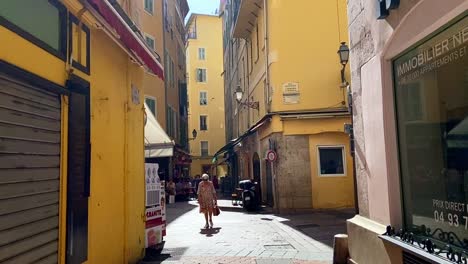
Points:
(271, 155)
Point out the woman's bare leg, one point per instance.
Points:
(210, 214)
(206, 218)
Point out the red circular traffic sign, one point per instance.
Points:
(271, 156)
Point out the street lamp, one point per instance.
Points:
(194, 135)
(239, 94)
(343, 53)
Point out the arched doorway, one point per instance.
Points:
(256, 172)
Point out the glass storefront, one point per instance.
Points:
(431, 93)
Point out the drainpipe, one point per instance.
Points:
(267, 52)
(352, 147)
(247, 74)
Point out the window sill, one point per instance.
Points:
(149, 13)
(414, 250)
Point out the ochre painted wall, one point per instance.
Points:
(331, 191)
(196, 168)
(116, 204)
(209, 36)
(306, 53)
(152, 25)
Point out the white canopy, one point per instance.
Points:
(157, 142)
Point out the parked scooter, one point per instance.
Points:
(250, 199)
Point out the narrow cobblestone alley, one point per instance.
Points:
(241, 237)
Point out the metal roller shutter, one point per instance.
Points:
(29, 173)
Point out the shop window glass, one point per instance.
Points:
(331, 161)
(431, 93)
(39, 18)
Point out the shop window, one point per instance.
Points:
(151, 103)
(201, 53)
(203, 123)
(331, 161)
(203, 98)
(149, 6)
(42, 22)
(201, 75)
(80, 45)
(204, 148)
(431, 93)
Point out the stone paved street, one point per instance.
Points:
(257, 238)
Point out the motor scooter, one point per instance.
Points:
(250, 199)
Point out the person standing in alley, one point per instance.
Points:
(207, 199)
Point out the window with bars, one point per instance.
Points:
(203, 98)
(204, 148)
(203, 123)
(201, 75)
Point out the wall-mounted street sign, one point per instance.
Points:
(271, 156)
(384, 7)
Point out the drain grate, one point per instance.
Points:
(278, 247)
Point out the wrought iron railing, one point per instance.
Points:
(445, 245)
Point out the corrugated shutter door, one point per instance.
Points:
(29, 173)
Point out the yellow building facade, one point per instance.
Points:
(74, 163)
(291, 102)
(205, 92)
(148, 17)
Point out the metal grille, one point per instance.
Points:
(412, 259)
(30, 122)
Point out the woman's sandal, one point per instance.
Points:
(206, 226)
(211, 224)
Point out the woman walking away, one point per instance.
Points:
(207, 199)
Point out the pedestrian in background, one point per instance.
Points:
(195, 182)
(207, 199)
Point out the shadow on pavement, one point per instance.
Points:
(178, 209)
(172, 254)
(240, 209)
(321, 225)
(209, 232)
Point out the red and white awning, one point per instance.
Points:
(127, 36)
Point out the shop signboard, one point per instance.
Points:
(155, 206)
(431, 93)
(152, 184)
